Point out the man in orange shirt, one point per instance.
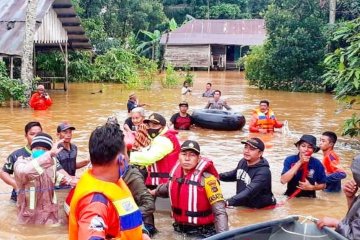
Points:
(102, 206)
(331, 162)
(41, 99)
(263, 119)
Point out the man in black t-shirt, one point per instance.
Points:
(182, 120)
(31, 129)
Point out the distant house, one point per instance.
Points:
(57, 27)
(212, 43)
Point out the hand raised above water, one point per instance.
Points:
(350, 188)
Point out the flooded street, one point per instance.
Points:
(306, 113)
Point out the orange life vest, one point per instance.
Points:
(265, 121)
(158, 172)
(189, 201)
(130, 219)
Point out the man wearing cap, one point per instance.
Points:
(349, 226)
(197, 203)
(182, 120)
(162, 153)
(252, 176)
(133, 102)
(31, 129)
(67, 156)
(36, 177)
(40, 100)
(302, 171)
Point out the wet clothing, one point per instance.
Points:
(201, 205)
(103, 210)
(130, 124)
(160, 157)
(9, 165)
(39, 102)
(208, 93)
(185, 90)
(316, 174)
(36, 179)
(135, 181)
(253, 184)
(131, 105)
(349, 227)
(67, 158)
(220, 104)
(181, 123)
(266, 121)
(334, 173)
(141, 137)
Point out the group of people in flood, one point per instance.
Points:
(128, 169)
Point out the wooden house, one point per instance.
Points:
(212, 44)
(57, 27)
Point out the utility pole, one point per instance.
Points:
(28, 47)
(332, 14)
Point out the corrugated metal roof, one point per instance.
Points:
(245, 32)
(12, 24)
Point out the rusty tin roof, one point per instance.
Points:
(12, 24)
(224, 32)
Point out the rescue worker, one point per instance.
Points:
(102, 206)
(303, 173)
(263, 119)
(208, 91)
(36, 178)
(197, 202)
(31, 129)
(182, 120)
(331, 162)
(162, 153)
(40, 100)
(217, 103)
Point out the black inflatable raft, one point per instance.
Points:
(218, 119)
(284, 229)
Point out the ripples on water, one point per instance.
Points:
(306, 112)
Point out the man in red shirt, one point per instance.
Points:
(40, 100)
(331, 162)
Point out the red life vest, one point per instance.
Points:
(158, 172)
(193, 206)
(265, 121)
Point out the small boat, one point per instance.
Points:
(218, 119)
(282, 229)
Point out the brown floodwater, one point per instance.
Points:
(310, 113)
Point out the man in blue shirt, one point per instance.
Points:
(301, 171)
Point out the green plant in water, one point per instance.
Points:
(10, 88)
(172, 78)
(189, 77)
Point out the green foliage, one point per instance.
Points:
(148, 72)
(52, 63)
(222, 11)
(343, 70)
(291, 58)
(80, 67)
(172, 78)
(10, 88)
(189, 77)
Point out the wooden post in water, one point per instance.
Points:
(66, 67)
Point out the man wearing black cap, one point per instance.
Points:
(36, 178)
(162, 153)
(349, 227)
(67, 156)
(253, 178)
(182, 120)
(197, 203)
(302, 171)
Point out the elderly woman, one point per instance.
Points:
(135, 125)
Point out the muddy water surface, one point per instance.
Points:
(306, 113)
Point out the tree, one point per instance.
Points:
(28, 47)
(294, 49)
(343, 71)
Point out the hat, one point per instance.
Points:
(156, 118)
(132, 95)
(112, 120)
(183, 103)
(64, 126)
(190, 145)
(310, 139)
(256, 143)
(42, 140)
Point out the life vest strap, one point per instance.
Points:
(206, 213)
(187, 181)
